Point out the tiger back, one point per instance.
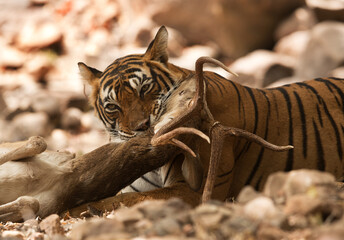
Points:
(133, 93)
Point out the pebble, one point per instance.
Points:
(51, 225)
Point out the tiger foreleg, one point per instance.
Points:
(20, 209)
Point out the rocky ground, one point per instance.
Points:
(265, 42)
(301, 204)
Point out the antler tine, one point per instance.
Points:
(232, 131)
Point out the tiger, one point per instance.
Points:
(132, 94)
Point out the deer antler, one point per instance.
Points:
(218, 132)
(199, 110)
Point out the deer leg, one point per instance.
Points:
(31, 147)
(20, 209)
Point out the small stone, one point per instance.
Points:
(12, 235)
(31, 224)
(167, 226)
(247, 194)
(97, 227)
(270, 233)
(51, 225)
(301, 204)
(36, 35)
(38, 66)
(11, 57)
(261, 208)
(207, 216)
(274, 184)
(127, 215)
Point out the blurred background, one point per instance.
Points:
(267, 42)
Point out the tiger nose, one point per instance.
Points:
(143, 125)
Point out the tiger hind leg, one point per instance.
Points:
(22, 208)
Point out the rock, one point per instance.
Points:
(301, 19)
(31, 224)
(247, 194)
(327, 9)
(3, 104)
(324, 51)
(51, 225)
(301, 204)
(208, 216)
(29, 124)
(126, 215)
(284, 81)
(71, 119)
(274, 184)
(265, 67)
(98, 228)
(166, 226)
(12, 235)
(281, 186)
(234, 26)
(38, 66)
(301, 181)
(270, 233)
(338, 72)
(293, 44)
(47, 103)
(39, 34)
(11, 58)
(78, 101)
(157, 209)
(262, 209)
(191, 54)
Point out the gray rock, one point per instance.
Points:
(38, 34)
(327, 9)
(97, 228)
(47, 103)
(300, 20)
(247, 194)
(324, 51)
(29, 124)
(71, 119)
(293, 44)
(265, 67)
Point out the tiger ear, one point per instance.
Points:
(157, 49)
(89, 74)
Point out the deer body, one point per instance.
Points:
(58, 181)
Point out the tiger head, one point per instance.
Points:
(129, 95)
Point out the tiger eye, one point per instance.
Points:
(145, 88)
(111, 107)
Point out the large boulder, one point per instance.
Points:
(324, 51)
(237, 27)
